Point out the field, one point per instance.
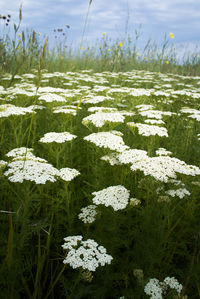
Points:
(110, 162)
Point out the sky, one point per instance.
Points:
(116, 18)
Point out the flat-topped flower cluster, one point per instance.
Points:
(26, 166)
(157, 289)
(88, 214)
(148, 130)
(85, 254)
(111, 140)
(115, 196)
(57, 137)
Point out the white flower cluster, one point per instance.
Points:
(137, 92)
(153, 289)
(51, 97)
(88, 214)
(135, 202)
(96, 99)
(161, 93)
(101, 109)
(68, 174)
(112, 159)
(115, 196)
(193, 113)
(132, 156)
(154, 121)
(3, 164)
(162, 168)
(98, 119)
(143, 107)
(187, 93)
(156, 289)
(181, 192)
(26, 166)
(109, 140)
(173, 283)
(85, 254)
(148, 130)
(157, 114)
(8, 109)
(57, 137)
(162, 152)
(68, 109)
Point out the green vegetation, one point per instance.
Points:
(21, 53)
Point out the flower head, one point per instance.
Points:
(171, 35)
(115, 196)
(85, 254)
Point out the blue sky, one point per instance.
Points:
(115, 17)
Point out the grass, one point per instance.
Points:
(156, 236)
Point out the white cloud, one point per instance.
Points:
(156, 16)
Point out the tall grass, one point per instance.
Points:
(21, 53)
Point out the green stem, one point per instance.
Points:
(55, 282)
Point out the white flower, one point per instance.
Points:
(134, 202)
(101, 109)
(98, 119)
(107, 140)
(181, 192)
(163, 168)
(57, 137)
(85, 254)
(193, 113)
(8, 110)
(3, 164)
(143, 107)
(31, 170)
(26, 166)
(154, 121)
(96, 99)
(154, 289)
(51, 97)
(147, 130)
(163, 152)
(88, 214)
(161, 93)
(69, 109)
(173, 284)
(112, 159)
(68, 174)
(115, 196)
(132, 156)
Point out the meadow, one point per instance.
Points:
(100, 172)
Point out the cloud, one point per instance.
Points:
(156, 16)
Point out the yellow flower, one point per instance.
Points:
(109, 50)
(171, 35)
(104, 33)
(81, 48)
(120, 45)
(19, 34)
(39, 33)
(5, 44)
(167, 62)
(138, 54)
